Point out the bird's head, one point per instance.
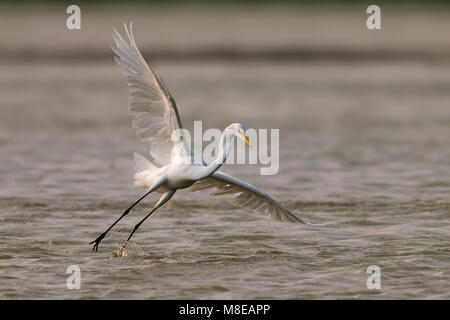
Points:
(238, 130)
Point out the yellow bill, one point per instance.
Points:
(245, 138)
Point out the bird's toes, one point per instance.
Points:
(96, 242)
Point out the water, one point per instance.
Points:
(364, 147)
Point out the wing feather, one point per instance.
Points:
(249, 197)
(152, 108)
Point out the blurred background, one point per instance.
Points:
(364, 119)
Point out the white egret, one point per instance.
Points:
(155, 117)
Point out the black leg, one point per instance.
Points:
(164, 198)
(100, 237)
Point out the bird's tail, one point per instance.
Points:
(143, 168)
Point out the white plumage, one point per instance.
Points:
(171, 167)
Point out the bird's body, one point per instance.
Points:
(178, 176)
(172, 165)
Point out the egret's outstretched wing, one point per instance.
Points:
(249, 196)
(151, 106)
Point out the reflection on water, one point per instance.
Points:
(368, 155)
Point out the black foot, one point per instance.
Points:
(97, 242)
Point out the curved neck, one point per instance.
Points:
(224, 150)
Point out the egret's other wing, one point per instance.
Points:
(249, 196)
(151, 106)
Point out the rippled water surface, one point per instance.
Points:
(364, 147)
